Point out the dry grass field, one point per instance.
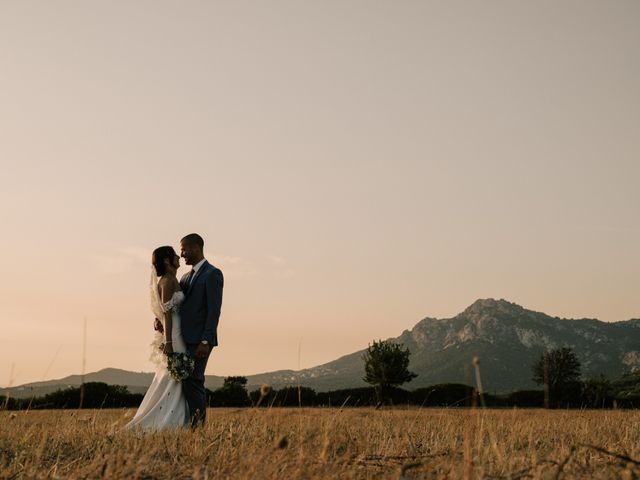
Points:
(326, 443)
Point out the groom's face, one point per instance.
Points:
(188, 252)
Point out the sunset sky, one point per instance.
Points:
(353, 166)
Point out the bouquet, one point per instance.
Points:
(180, 365)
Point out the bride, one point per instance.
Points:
(164, 406)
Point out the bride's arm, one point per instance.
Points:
(167, 290)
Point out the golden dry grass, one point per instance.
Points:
(326, 443)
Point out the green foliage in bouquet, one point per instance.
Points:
(180, 365)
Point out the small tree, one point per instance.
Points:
(558, 371)
(597, 392)
(386, 365)
(234, 382)
(233, 393)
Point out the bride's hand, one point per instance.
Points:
(168, 349)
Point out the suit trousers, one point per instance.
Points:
(194, 387)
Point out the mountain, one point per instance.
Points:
(506, 337)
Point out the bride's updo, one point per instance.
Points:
(158, 257)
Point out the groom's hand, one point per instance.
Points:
(157, 326)
(202, 350)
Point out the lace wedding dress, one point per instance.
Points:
(164, 406)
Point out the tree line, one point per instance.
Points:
(93, 395)
(386, 369)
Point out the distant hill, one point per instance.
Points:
(506, 337)
(137, 382)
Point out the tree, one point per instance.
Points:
(234, 382)
(558, 371)
(597, 392)
(386, 365)
(233, 393)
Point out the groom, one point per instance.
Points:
(199, 314)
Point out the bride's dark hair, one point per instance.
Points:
(158, 257)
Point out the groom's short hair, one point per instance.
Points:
(193, 239)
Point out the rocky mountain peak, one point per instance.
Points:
(488, 306)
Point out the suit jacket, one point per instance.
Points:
(200, 311)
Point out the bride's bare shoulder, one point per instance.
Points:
(168, 280)
(168, 284)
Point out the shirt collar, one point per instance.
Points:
(197, 266)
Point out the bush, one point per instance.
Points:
(9, 403)
(444, 395)
(294, 396)
(597, 393)
(360, 397)
(231, 396)
(264, 399)
(96, 395)
(525, 398)
(233, 393)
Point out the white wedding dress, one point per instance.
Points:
(164, 406)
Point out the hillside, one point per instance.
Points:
(506, 337)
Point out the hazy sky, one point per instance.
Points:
(353, 166)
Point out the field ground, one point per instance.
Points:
(326, 443)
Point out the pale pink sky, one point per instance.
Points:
(353, 166)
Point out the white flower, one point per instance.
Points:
(180, 366)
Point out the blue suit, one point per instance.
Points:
(199, 316)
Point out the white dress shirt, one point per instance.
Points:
(196, 267)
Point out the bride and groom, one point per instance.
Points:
(187, 314)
